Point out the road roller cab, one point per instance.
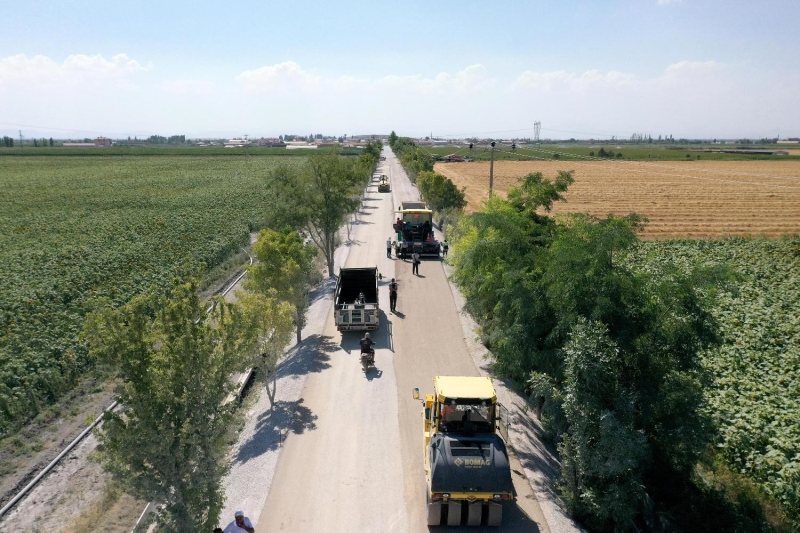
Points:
(465, 457)
(383, 184)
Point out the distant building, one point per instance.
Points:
(79, 145)
(237, 143)
(301, 146)
(788, 142)
(102, 142)
(271, 142)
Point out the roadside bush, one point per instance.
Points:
(610, 354)
(440, 192)
(413, 159)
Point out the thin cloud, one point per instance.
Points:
(472, 79)
(74, 69)
(692, 67)
(562, 80)
(668, 2)
(279, 76)
(291, 76)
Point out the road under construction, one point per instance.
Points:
(344, 453)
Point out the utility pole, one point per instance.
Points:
(20, 139)
(491, 171)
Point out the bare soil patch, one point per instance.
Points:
(696, 199)
(25, 454)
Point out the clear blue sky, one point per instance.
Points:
(687, 68)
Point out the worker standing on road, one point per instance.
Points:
(393, 295)
(415, 263)
(240, 524)
(445, 246)
(389, 247)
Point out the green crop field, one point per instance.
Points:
(754, 397)
(583, 151)
(167, 150)
(76, 229)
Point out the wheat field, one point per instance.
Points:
(693, 199)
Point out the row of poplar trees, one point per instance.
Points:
(174, 354)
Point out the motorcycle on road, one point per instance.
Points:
(367, 360)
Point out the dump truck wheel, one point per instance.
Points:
(454, 513)
(495, 514)
(474, 516)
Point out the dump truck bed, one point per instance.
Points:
(350, 311)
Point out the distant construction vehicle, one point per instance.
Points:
(465, 457)
(414, 227)
(383, 184)
(356, 299)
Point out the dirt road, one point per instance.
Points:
(359, 468)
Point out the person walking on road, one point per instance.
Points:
(389, 247)
(415, 263)
(445, 246)
(393, 295)
(240, 524)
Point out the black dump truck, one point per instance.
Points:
(356, 299)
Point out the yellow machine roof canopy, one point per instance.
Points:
(458, 387)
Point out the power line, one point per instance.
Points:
(534, 129)
(62, 129)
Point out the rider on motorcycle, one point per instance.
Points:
(367, 344)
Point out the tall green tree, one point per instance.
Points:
(413, 159)
(440, 192)
(274, 319)
(602, 449)
(317, 198)
(167, 442)
(284, 270)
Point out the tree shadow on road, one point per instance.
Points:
(323, 289)
(273, 426)
(309, 356)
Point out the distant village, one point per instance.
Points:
(314, 141)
